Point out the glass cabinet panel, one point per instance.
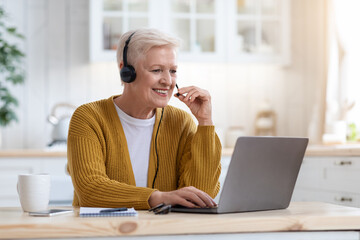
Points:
(112, 30)
(138, 5)
(120, 16)
(137, 22)
(205, 36)
(180, 6)
(245, 40)
(194, 22)
(270, 7)
(181, 28)
(259, 28)
(205, 6)
(113, 5)
(270, 38)
(246, 6)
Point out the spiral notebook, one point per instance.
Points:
(96, 212)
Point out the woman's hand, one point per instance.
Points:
(188, 196)
(199, 102)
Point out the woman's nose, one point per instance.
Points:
(166, 78)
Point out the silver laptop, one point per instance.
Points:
(261, 176)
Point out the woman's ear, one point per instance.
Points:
(121, 64)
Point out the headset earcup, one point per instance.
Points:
(128, 74)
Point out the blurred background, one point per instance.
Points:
(273, 67)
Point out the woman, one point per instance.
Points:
(133, 150)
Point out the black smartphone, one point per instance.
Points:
(50, 212)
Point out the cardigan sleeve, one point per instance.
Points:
(200, 162)
(86, 165)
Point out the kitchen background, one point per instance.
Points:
(278, 67)
(59, 69)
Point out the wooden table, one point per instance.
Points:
(305, 220)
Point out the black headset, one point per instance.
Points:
(127, 72)
(128, 75)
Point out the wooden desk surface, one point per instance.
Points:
(298, 217)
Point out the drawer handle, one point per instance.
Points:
(343, 199)
(342, 163)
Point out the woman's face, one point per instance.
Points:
(155, 77)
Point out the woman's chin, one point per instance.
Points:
(162, 104)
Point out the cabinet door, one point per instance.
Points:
(342, 174)
(330, 173)
(259, 31)
(109, 19)
(200, 25)
(210, 30)
(340, 198)
(329, 179)
(197, 22)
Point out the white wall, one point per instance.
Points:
(58, 70)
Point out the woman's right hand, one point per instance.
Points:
(188, 197)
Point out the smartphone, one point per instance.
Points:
(50, 212)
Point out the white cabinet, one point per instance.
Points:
(61, 192)
(322, 178)
(259, 31)
(109, 19)
(211, 30)
(329, 179)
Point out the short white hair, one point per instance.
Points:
(141, 42)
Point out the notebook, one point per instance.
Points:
(261, 175)
(96, 212)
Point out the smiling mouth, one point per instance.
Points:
(161, 92)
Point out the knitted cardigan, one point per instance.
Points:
(99, 161)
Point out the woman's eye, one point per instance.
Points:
(156, 70)
(172, 71)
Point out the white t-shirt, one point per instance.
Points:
(138, 133)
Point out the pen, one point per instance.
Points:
(113, 210)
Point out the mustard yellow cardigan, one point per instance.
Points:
(100, 166)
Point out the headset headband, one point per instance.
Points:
(125, 50)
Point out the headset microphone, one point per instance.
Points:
(127, 72)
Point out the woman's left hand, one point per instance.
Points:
(199, 102)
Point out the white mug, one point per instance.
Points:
(34, 191)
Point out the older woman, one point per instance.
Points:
(134, 150)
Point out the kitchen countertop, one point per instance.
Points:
(321, 150)
(299, 217)
(312, 150)
(31, 153)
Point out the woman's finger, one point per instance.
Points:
(195, 198)
(183, 202)
(205, 198)
(189, 94)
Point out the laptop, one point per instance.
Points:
(261, 175)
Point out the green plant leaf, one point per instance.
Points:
(15, 78)
(11, 29)
(8, 99)
(7, 115)
(11, 69)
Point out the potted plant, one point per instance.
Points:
(11, 70)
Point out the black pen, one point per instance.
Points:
(113, 210)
